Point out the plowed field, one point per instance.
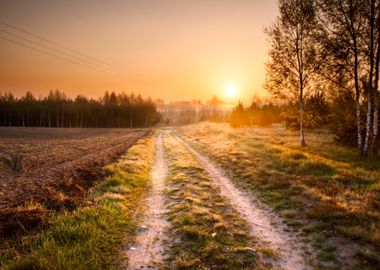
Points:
(51, 169)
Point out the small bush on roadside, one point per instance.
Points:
(343, 119)
(315, 115)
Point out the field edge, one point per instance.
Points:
(92, 236)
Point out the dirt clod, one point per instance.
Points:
(13, 221)
(17, 162)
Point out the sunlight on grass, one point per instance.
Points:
(323, 184)
(211, 233)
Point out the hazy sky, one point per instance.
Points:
(171, 49)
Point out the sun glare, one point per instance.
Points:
(230, 91)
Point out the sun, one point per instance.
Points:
(230, 91)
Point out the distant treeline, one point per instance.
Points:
(56, 110)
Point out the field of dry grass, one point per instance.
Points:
(51, 169)
(324, 192)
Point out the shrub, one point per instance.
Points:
(238, 116)
(316, 113)
(343, 118)
(255, 114)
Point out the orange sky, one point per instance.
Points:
(170, 49)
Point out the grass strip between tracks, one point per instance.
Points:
(207, 232)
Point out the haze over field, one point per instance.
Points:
(174, 50)
(137, 134)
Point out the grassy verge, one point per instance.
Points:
(323, 191)
(207, 233)
(92, 236)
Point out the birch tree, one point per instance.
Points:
(352, 29)
(293, 63)
(370, 52)
(371, 10)
(344, 25)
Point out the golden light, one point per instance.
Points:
(230, 91)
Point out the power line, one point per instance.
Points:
(60, 52)
(58, 45)
(91, 59)
(57, 56)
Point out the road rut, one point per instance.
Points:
(149, 250)
(260, 219)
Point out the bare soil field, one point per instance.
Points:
(51, 169)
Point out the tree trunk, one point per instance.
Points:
(28, 118)
(376, 103)
(375, 89)
(359, 129)
(357, 96)
(375, 124)
(302, 111)
(57, 117)
(369, 125)
(62, 120)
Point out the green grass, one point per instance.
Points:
(92, 236)
(324, 187)
(210, 234)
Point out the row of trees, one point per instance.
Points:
(56, 110)
(329, 46)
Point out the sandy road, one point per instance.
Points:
(259, 218)
(149, 250)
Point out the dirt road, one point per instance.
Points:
(264, 225)
(149, 249)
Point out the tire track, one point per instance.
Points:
(261, 220)
(150, 247)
